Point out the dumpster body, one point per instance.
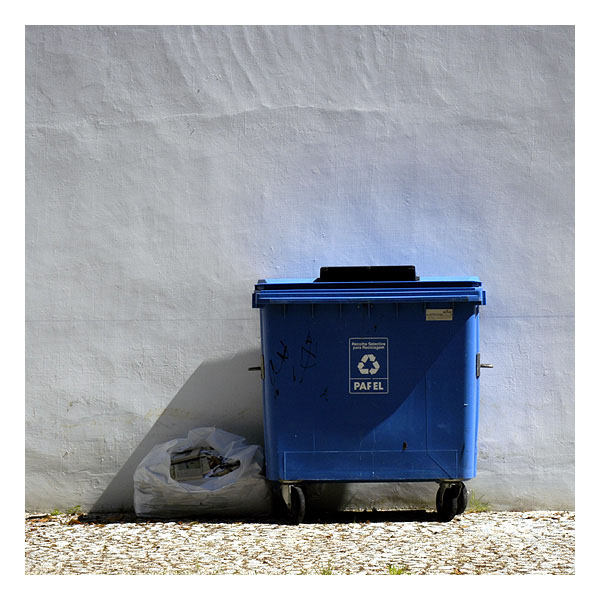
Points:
(370, 380)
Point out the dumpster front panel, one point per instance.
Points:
(370, 391)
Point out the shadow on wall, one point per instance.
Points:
(220, 393)
(224, 394)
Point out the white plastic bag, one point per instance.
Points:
(242, 491)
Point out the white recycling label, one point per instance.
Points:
(368, 365)
(368, 370)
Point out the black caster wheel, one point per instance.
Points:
(297, 510)
(280, 509)
(451, 500)
(463, 499)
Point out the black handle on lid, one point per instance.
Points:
(368, 273)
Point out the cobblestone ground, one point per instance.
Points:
(403, 542)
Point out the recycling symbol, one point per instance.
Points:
(363, 365)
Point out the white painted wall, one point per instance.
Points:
(169, 168)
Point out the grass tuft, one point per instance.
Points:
(74, 510)
(477, 504)
(393, 570)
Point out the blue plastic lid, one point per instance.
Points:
(311, 291)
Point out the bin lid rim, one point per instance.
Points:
(469, 280)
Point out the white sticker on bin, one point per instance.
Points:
(368, 365)
(438, 314)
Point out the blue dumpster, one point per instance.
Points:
(370, 374)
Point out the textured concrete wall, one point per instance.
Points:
(168, 168)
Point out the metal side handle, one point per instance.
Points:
(480, 365)
(261, 368)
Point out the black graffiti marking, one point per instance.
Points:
(308, 358)
(305, 359)
(283, 356)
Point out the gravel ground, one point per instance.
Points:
(374, 543)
